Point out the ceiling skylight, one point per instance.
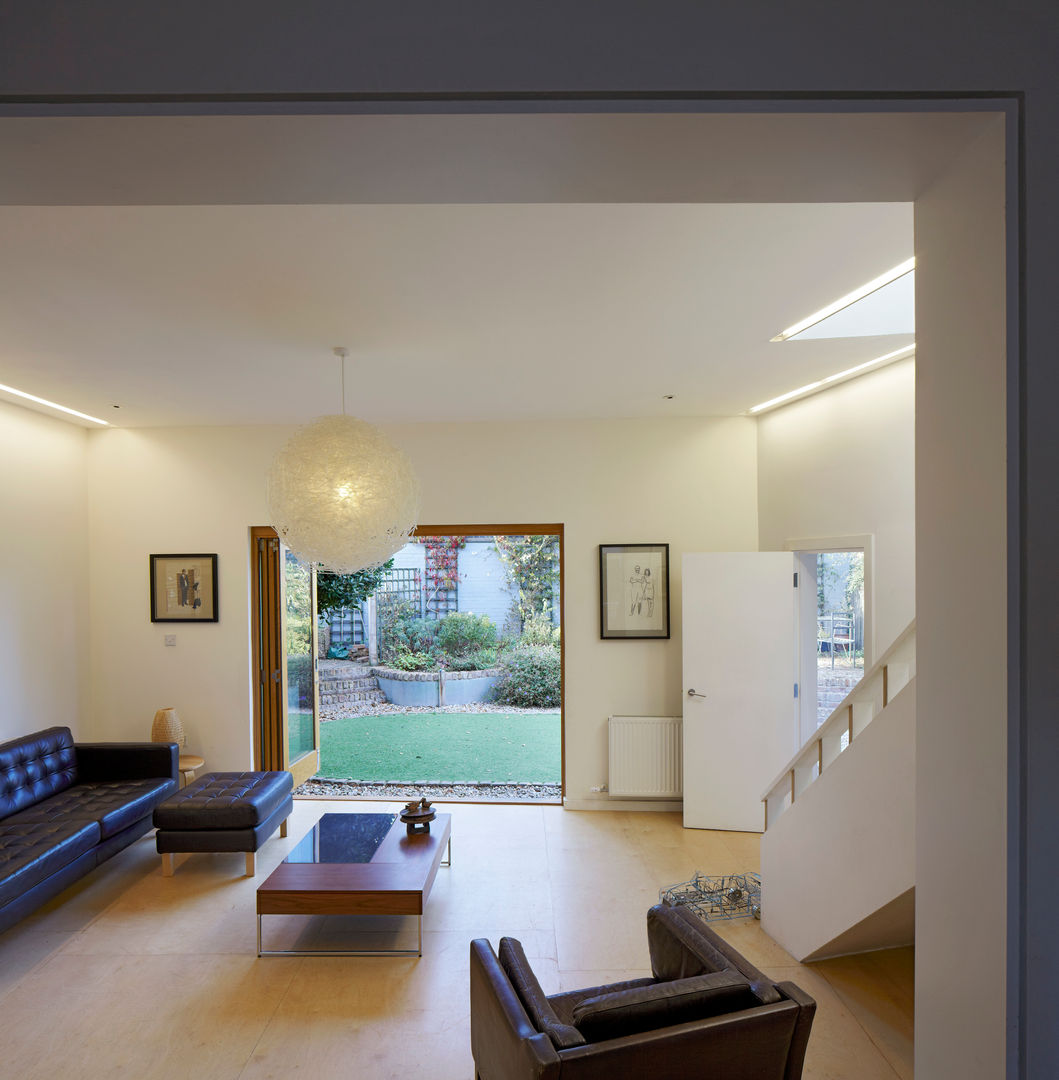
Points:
(892, 312)
(889, 310)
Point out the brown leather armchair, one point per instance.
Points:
(706, 1012)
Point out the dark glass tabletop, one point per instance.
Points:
(343, 838)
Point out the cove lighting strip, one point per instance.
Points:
(51, 404)
(850, 298)
(820, 384)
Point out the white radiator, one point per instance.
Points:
(645, 757)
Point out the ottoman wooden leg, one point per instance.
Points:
(167, 865)
(283, 828)
(251, 864)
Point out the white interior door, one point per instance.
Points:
(741, 660)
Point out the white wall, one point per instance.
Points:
(961, 619)
(43, 573)
(688, 482)
(842, 463)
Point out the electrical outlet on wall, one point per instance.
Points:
(170, 639)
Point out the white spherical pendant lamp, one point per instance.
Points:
(340, 494)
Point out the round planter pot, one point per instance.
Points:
(425, 689)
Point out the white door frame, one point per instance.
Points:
(857, 542)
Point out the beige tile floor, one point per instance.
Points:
(132, 975)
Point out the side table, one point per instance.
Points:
(188, 764)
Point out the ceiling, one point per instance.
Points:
(199, 270)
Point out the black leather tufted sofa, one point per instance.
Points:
(65, 807)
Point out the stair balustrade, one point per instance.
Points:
(880, 684)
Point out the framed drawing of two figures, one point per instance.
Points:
(634, 590)
(183, 588)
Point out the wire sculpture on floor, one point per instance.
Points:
(728, 896)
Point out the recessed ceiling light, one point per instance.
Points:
(850, 298)
(51, 404)
(809, 388)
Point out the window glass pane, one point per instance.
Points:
(298, 627)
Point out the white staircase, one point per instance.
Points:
(838, 854)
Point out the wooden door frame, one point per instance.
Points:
(260, 599)
(263, 593)
(553, 529)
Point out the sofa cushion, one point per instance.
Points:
(35, 766)
(663, 1004)
(564, 1003)
(33, 851)
(114, 804)
(534, 1001)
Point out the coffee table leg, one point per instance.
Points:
(417, 951)
(447, 861)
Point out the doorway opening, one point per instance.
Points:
(835, 622)
(447, 679)
(839, 627)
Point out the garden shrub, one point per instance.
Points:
(404, 660)
(392, 613)
(530, 677)
(418, 635)
(463, 633)
(461, 642)
(539, 630)
(402, 631)
(476, 661)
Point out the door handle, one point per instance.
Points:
(695, 693)
(275, 675)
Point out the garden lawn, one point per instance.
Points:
(444, 748)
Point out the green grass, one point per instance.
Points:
(443, 747)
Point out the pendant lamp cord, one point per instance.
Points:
(342, 352)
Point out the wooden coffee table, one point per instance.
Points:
(356, 864)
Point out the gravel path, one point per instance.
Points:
(339, 712)
(332, 789)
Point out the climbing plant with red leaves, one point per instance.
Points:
(442, 564)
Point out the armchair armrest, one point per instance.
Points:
(126, 761)
(504, 1043)
(748, 1045)
(800, 1038)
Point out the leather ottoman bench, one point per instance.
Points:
(232, 811)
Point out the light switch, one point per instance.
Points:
(170, 639)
